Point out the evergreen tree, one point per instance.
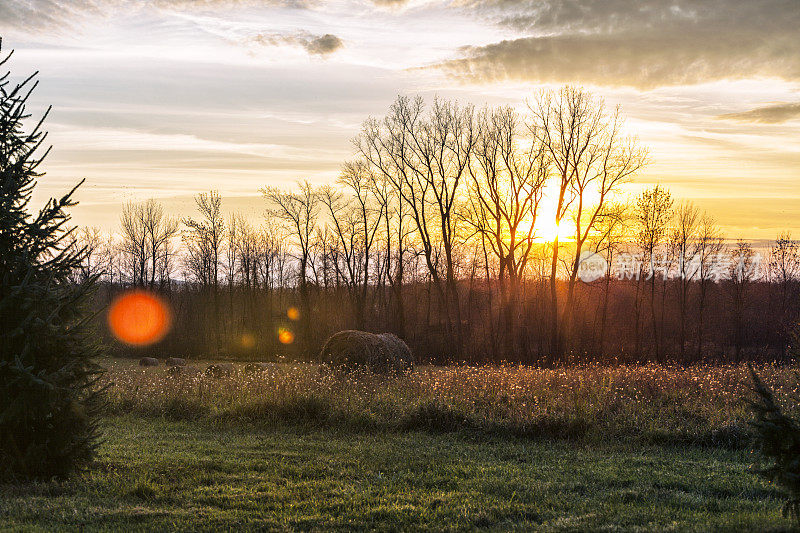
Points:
(777, 438)
(48, 394)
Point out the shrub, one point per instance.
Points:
(48, 401)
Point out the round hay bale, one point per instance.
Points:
(176, 361)
(220, 370)
(252, 368)
(148, 361)
(354, 350)
(186, 371)
(350, 349)
(401, 353)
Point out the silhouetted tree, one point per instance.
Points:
(146, 242)
(710, 268)
(93, 264)
(590, 156)
(682, 240)
(355, 221)
(508, 182)
(609, 239)
(653, 214)
(299, 211)
(742, 274)
(204, 240)
(48, 398)
(426, 155)
(784, 270)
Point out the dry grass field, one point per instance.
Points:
(700, 405)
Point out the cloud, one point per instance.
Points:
(40, 14)
(37, 14)
(323, 45)
(390, 3)
(313, 44)
(638, 43)
(188, 5)
(771, 114)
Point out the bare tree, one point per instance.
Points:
(396, 232)
(146, 242)
(653, 215)
(682, 240)
(247, 253)
(159, 229)
(609, 239)
(591, 159)
(784, 270)
(506, 189)
(355, 221)
(110, 258)
(742, 273)
(274, 263)
(204, 239)
(299, 211)
(134, 241)
(709, 245)
(426, 155)
(89, 245)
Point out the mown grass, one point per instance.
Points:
(651, 404)
(157, 474)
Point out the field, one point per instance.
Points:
(589, 448)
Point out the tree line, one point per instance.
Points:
(434, 231)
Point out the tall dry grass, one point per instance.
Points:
(651, 403)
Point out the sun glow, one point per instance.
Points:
(546, 229)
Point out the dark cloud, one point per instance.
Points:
(609, 16)
(640, 43)
(323, 45)
(313, 44)
(771, 114)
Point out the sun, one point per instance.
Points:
(546, 229)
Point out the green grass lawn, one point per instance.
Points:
(154, 474)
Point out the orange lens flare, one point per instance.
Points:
(285, 336)
(139, 318)
(293, 313)
(248, 341)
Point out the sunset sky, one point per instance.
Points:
(166, 98)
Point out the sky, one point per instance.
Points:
(168, 98)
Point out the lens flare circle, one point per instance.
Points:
(139, 318)
(248, 341)
(285, 336)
